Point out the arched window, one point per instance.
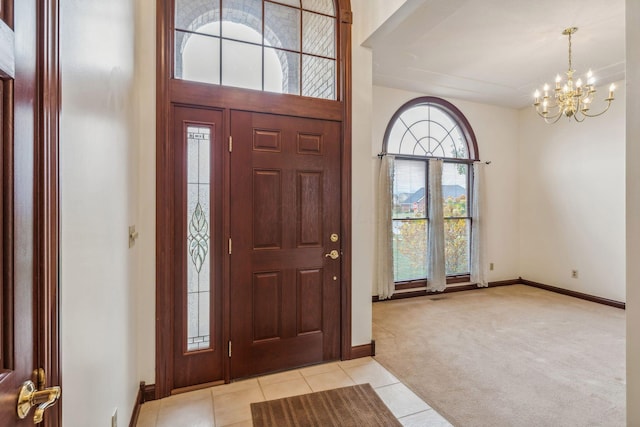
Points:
(285, 46)
(422, 129)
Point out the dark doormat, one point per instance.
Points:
(357, 406)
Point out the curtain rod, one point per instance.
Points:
(382, 154)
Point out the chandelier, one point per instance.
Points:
(571, 99)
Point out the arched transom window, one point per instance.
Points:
(422, 129)
(284, 46)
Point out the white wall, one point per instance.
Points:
(633, 212)
(368, 15)
(572, 200)
(145, 49)
(496, 131)
(98, 193)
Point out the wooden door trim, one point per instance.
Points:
(344, 34)
(47, 190)
(164, 203)
(6, 250)
(164, 170)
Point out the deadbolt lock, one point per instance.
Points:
(334, 237)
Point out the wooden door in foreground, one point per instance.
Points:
(26, 259)
(285, 243)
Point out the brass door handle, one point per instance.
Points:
(30, 396)
(333, 254)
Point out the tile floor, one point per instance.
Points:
(228, 405)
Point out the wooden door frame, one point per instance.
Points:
(47, 207)
(46, 199)
(171, 92)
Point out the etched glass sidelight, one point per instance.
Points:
(198, 238)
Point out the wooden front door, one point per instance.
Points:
(197, 300)
(28, 255)
(284, 222)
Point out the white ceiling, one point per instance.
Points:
(496, 51)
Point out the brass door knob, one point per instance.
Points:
(30, 396)
(333, 254)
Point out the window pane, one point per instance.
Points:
(281, 26)
(426, 130)
(456, 246)
(198, 237)
(247, 13)
(194, 16)
(459, 144)
(197, 58)
(323, 6)
(281, 71)
(294, 3)
(409, 249)
(454, 189)
(409, 196)
(318, 35)
(241, 65)
(318, 77)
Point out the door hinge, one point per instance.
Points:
(230, 143)
(230, 244)
(229, 348)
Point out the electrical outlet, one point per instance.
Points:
(114, 418)
(574, 274)
(491, 266)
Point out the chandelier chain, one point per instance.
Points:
(570, 50)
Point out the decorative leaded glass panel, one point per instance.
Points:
(281, 26)
(197, 58)
(198, 237)
(245, 12)
(318, 35)
(241, 65)
(194, 15)
(318, 77)
(322, 6)
(284, 46)
(294, 3)
(285, 79)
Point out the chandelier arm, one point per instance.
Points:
(600, 113)
(546, 119)
(575, 116)
(547, 116)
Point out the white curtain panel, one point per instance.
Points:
(477, 234)
(437, 277)
(384, 266)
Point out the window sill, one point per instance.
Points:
(414, 284)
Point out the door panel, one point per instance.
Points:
(198, 349)
(17, 281)
(285, 204)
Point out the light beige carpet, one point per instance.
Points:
(508, 356)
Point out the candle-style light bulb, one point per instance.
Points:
(611, 89)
